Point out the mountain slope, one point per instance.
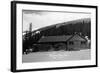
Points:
(66, 28)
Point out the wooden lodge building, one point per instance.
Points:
(65, 42)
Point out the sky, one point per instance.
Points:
(41, 19)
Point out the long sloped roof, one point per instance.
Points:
(62, 38)
(54, 38)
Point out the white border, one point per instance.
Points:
(21, 65)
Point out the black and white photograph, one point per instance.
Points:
(47, 36)
(56, 36)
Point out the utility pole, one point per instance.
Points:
(30, 27)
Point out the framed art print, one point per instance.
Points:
(47, 36)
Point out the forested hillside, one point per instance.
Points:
(82, 26)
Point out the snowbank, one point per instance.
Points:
(57, 56)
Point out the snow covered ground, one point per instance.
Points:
(57, 56)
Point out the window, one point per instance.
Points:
(83, 42)
(71, 42)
